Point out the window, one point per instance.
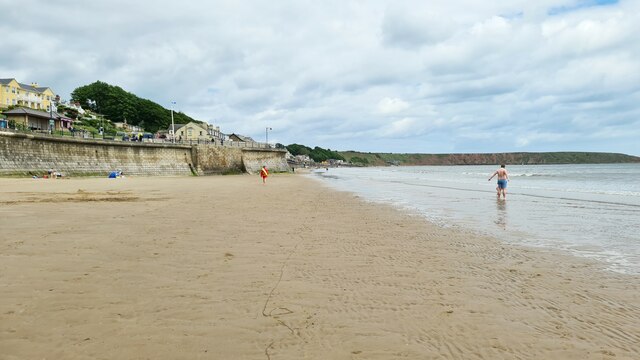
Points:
(14, 101)
(200, 133)
(189, 132)
(13, 90)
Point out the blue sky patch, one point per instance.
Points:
(581, 5)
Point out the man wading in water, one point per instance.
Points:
(503, 177)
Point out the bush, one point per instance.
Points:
(359, 160)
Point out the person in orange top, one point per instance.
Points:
(264, 173)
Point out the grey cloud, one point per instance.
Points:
(317, 71)
(411, 32)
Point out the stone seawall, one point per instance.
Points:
(212, 159)
(254, 159)
(27, 154)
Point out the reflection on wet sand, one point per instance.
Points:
(501, 214)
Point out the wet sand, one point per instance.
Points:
(228, 268)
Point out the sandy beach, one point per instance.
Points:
(228, 268)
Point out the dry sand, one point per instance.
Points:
(226, 268)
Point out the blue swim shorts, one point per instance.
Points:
(502, 184)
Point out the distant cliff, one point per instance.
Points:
(381, 159)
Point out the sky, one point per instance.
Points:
(438, 76)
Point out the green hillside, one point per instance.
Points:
(318, 154)
(381, 159)
(117, 105)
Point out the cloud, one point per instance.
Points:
(392, 105)
(408, 30)
(403, 128)
(406, 76)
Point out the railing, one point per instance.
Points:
(82, 134)
(247, 144)
(29, 97)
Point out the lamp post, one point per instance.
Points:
(173, 126)
(52, 122)
(93, 105)
(266, 135)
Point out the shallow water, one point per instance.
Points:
(588, 210)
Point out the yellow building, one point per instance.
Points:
(31, 96)
(190, 132)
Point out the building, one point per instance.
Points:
(302, 159)
(32, 96)
(38, 120)
(215, 133)
(191, 132)
(240, 138)
(128, 127)
(73, 105)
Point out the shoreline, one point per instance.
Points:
(591, 225)
(224, 267)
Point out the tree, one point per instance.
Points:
(318, 154)
(117, 105)
(296, 149)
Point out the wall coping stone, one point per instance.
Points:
(92, 141)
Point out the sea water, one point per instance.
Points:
(588, 210)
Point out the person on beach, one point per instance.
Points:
(503, 178)
(264, 173)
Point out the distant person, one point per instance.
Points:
(503, 178)
(264, 173)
